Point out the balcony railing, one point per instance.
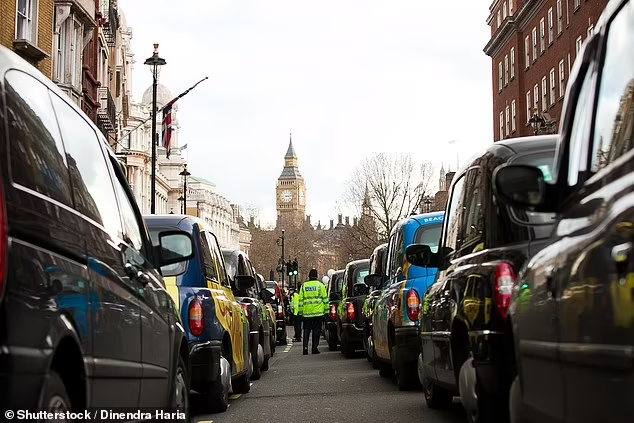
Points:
(111, 25)
(107, 112)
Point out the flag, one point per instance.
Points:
(167, 127)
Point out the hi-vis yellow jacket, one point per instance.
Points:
(295, 304)
(313, 299)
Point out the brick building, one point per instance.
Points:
(26, 27)
(533, 46)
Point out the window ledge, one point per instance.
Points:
(29, 50)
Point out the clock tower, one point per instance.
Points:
(290, 193)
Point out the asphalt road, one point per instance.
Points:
(327, 388)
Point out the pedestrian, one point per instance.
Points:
(313, 305)
(296, 316)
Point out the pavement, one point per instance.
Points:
(327, 388)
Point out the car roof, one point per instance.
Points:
(183, 222)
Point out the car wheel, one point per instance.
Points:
(436, 397)
(55, 397)
(242, 384)
(180, 391)
(218, 394)
(257, 372)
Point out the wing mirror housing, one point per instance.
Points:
(174, 247)
(419, 255)
(244, 282)
(520, 185)
(373, 281)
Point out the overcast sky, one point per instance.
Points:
(347, 77)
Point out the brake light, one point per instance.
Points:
(504, 281)
(196, 320)
(351, 313)
(246, 311)
(333, 312)
(3, 241)
(280, 312)
(413, 305)
(278, 292)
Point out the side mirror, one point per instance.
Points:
(418, 254)
(373, 281)
(174, 247)
(520, 185)
(244, 282)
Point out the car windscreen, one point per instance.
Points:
(541, 223)
(171, 269)
(430, 235)
(231, 265)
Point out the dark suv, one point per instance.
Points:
(85, 320)
(350, 322)
(464, 327)
(573, 307)
(335, 285)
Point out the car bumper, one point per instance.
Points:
(490, 359)
(204, 358)
(352, 335)
(406, 346)
(281, 329)
(22, 377)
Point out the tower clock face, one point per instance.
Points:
(287, 196)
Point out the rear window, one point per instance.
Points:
(336, 283)
(232, 269)
(430, 235)
(172, 269)
(541, 223)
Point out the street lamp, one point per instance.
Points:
(185, 174)
(282, 259)
(536, 121)
(155, 62)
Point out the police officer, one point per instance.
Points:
(313, 305)
(296, 316)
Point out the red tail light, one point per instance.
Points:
(333, 312)
(278, 292)
(3, 241)
(246, 310)
(351, 313)
(196, 318)
(413, 305)
(280, 312)
(504, 281)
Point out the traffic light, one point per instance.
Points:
(289, 268)
(295, 267)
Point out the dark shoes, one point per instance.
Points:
(305, 351)
(316, 352)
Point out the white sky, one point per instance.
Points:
(347, 77)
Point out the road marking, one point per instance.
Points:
(289, 345)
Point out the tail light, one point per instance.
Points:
(413, 305)
(280, 312)
(351, 313)
(196, 320)
(278, 292)
(246, 311)
(333, 312)
(3, 241)
(504, 281)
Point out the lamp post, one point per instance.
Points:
(180, 199)
(282, 260)
(155, 63)
(185, 174)
(536, 121)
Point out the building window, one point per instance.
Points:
(551, 34)
(542, 35)
(75, 52)
(590, 30)
(26, 20)
(534, 44)
(552, 86)
(544, 94)
(501, 125)
(512, 63)
(578, 44)
(506, 70)
(513, 115)
(536, 97)
(500, 76)
(576, 3)
(527, 50)
(504, 11)
(562, 78)
(560, 18)
(499, 19)
(61, 54)
(528, 106)
(510, 7)
(507, 114)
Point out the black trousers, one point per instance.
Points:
(298, 327)
(312, 324)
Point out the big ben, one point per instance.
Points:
(290, 193)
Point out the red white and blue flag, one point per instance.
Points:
(167, 126)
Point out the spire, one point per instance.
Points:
(290, 153)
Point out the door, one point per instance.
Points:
(597, 269)
(155, 307)
(385, 302)
(115, 296)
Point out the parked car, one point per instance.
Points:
(275, 298)
(395, 318)
(349, 317)
(270, 312)
(216, 325)
(572, 311)
(464, 328)
(377, 279)
(85, 318)
(335, 285)
(238, 265)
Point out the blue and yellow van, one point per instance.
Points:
(395, 317)
(216, 325)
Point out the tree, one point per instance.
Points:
(387, 188)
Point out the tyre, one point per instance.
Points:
(218, 394)
(242, 384)
(385, 370)
(265, 364)
(437, 397)
(180, 391)
(257, 371)
(406, 378)
(55, 397)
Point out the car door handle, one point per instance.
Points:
(549, 274)
(133, 272)
(621, 256)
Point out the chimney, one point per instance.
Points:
(340, 219)
(354, 221)
(347, 220)
(308, 219)
(252, 222)
(449, 177)
(332, 223)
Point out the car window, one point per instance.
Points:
(430, 235)
(579, 131)
(215, 250)
(172, 269)
(398, 251)
(614, 124)
(208, 258)
(232, 270)
(474, 203)
(38, 160)
(92, 186)
(390, 255)
(453, 217)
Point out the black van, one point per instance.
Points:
(85, 320)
